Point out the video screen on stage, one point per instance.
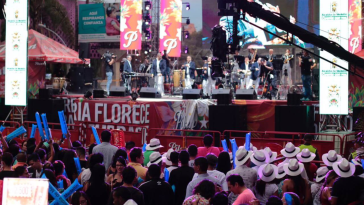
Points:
(302, 13)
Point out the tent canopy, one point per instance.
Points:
(42, 48)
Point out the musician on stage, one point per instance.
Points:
(236, 75)
(209, 82)
(109, 63)
(253, 55)
(189, 68)
(307, 64)
(167, 76)
(144, 68)
(255, 76)
(271, 77)
(286, 78)
(245, 67)
(158, 68)
(271, 56)
(127, 69)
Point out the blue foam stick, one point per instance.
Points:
(288, 198)
(362, 162)
(166, 174)
(140, 180)
(62, 121)
(174, 188)
(21, 130)
(45, 124)
(65, 173)
(224, 145)
(60, 184)
(78, 165)
(144, 147)
(40, 127)
(71, 189)
(96, 135)
(234, 148)
(58, 198)
(247, 141)
(2, 128)
(34, 129)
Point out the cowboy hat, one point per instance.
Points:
(242, 155)
(290, 150)
(330, 158)
(272, 155)
(267, 172)
(343, 168)
(305, 156)
(167, 157)
(260, 157)
(321, 174)
(154, 144)
(280, 173)
(154, 158)
(293, 167)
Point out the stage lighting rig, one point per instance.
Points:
(186, 50)
(146, 18)
(147, 5)
(187, 20)
(188, 6)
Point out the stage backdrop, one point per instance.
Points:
(170, 31)
(131, 24)
(355, 26)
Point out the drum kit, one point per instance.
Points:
(58, 83)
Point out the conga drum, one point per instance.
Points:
(176, 78)
(61, 82)
(55, 83)
(183, 78)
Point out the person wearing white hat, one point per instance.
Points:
(153, 146)
(259, 158)
(167, 157)
(252, 148)
(319, 180)
(347, 188)
(290, 151)
(330, 158)
(265, 186)
(155, 158)
(306, 157)
(295, 182)
(280, 177)
(307, 140)
(272, 155)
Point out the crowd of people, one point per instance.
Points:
(195, 176)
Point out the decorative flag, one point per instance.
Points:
(170, 31)
(130, 24)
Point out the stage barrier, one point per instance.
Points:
(349, 143)
(180, 139)
(134, 133)
(324, 142)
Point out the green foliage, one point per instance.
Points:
(34, 88)
(356, 98)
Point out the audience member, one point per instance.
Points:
(122, 196)
(58, 171)
(208, 148)
(325, 192)
(105, 148)
(259, 158)
(180, 177)
(153, 146)
(36, 166)
(85, 175)
(156, 191)
(129, 178)
(116, 179)
(316, 186)
(237, 187)
(306, 157)
(96, 188)
(80, 198)
(307, 140)
(202, 193)
(220, 198)
(119, 153)
(21, 159)
(174, 160)
(291, 198)
(81, 153)
(69, 162)
(274, 200)
(264, 187)
(192, 150)
(272, 155)
(136, 161)
(21, 172)
(330, 158)
(224, 164)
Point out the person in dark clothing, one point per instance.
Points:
(181, 176)
(129, 177)
(96, 189)
(7, 161)
(156, 191)
(81, 153)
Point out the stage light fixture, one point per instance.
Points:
(187, 34)
(188, 7)
(147, 5)
(186, 50)
(146, 52)
(188, 21)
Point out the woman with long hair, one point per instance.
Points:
(58, 171)
(325, 194)
(119, 153)
(265, 187)
(80, 198)
(85, 175)
(116, 179)
(295, 183)
(223, 162)
(202, 193)
(69, 162)
(96, 188)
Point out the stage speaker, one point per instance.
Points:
(358, 119)
(294, 99)
(48, 106)
(98, 94)
(5, 109)
(191, 94)
(227, 117)
(316, 83)
(149, 93)
(118, 91)
(84, 50)
(223, 96)
(301, 121)
(45, 93)
(245, 94)
(88, 75)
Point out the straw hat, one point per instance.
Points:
(280, 173)
(267, 172)
(344, 168)
(242, 155)
(293, 167)
(154, 144)
(167, 157)
(290, 150)
(330, 158)
(272, 155)
(260, 157)
(154, 158)
(321, 173)
(306, 156)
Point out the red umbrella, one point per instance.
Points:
(42, 48)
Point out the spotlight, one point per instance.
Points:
(187, 34)
(188, 7)
(147, 5)
(186, 50)
(187, 21)
(146, 52)
(147, 34)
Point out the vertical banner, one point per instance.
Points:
(131, 24)
(355, 26)
(16, 60)
(170, 31)
(334, 25)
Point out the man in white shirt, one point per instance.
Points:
(127, 69)
(245, 67)
(189, 68)
(158, 68)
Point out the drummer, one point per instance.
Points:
(209, 82)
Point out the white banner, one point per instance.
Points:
(334, 25)
(16, 60)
